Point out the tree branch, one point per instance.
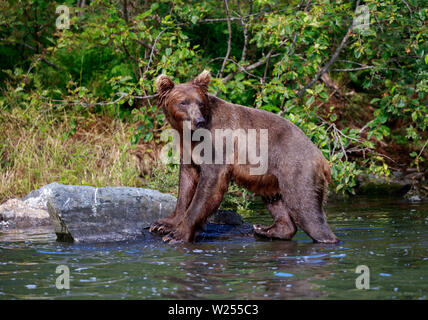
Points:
(152, 52)
(229, 41)
(122, 95)
(354, 69)
(422, 150)
(244, 22)
(146, 45)
(331, 61)
(410, 9)
(214, 20)
(49, 63)
(251, 66)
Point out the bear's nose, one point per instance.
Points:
(199, 122)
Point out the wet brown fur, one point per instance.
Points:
(293, 188)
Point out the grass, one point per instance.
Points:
(37, 148)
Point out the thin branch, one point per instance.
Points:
(19, 42)
(368, 150)
(49, 63)
(422, 150)
(122, 95)
(125, 11)
(327, 66)
(229, 41)
(410, 9)
(240, 67)
(251, 66)
(152, 52)
(218, 20)
(331, 61)
(354, 69)
(146, 45)
(266, 69)
(308, 3)
(146, 97)
(352, 62)
(245, 48)
(244, 22)
(253, 15)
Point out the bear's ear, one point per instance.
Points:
(163, 84)
(203, 80)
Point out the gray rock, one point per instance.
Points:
(226, 217)
(375, 185)
(88, 214)
(28, 212)
(38, 198)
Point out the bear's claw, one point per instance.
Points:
(161, 227)
(177, 236)
(170, 239)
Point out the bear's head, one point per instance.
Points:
(185, 102)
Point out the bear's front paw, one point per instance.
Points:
(177, 236)
(170, 239)
(162, 227)
(260, 229)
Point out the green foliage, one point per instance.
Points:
(106, 63)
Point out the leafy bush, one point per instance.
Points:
(358, 93)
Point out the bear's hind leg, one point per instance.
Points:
(305, 207)
(283, 226)
(314, 223)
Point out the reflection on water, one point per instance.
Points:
(388, 236)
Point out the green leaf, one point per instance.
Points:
(324, 95)
(194, 19)
(310, 101)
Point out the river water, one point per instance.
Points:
(388, 236)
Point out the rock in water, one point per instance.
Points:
(88, 214)
(226, 217)
(19, 214)
(28, 212)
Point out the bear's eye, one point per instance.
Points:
(182, 103)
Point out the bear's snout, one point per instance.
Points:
(200, 122)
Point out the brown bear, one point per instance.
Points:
(293, 185)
